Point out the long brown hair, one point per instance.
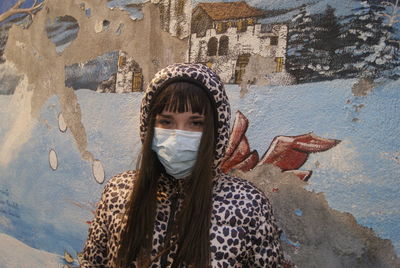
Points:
(194, 218)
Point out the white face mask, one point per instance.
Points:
(176, 150)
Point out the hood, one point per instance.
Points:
(207, 79)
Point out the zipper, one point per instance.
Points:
(174, 207)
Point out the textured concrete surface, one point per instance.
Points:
(314, 234)
(35, 70)
(35, 55)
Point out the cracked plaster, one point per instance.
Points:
(34, 55)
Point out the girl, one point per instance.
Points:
(178, 209)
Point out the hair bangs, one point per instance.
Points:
(192, 233)
(182, 97)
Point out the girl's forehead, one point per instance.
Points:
(183, 108)
(172, 113)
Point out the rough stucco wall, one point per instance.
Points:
(315, 235)
(143, 40)
(319, 235)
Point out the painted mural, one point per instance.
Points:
(314, 85)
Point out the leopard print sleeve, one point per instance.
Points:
(265, 244)
(95, 251)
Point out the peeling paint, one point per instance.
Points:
(98, 171)
(119, 29)
(35, 49)
(322, 237)
(284, 239)
(88, 12)
(101, 26)
(62, 126)
(298, 212)
(133, 7)
(62, 31)
(90, 74)
(53, 159)
(363, 87)
(35, 68)
(394, 156)
(9, 78)
(22, 123)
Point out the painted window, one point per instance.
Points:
(240, 68)
(212, 46)
(181, 7)
(279, 64)
(137, 81)
(121, 61)
(274, 40)
(242, 25)
(222, 27)
(223, 45)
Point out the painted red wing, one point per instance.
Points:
(240, 154)
(238, 131)
(249, 162)
(311, 143)
(291, 152)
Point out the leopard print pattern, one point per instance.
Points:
(243, 229)
(198, 73)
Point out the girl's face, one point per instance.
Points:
(183, 121)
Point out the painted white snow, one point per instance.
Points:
(354, 176)
(53, 159)
(62, 126)
(98, 171)
(14, 253)
(22, 123)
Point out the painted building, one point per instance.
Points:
(225, 35)
(175, 17)
(129, 75)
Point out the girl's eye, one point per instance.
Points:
(198, 123)
(163, 122)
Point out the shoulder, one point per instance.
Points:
(228, 185)
(119, 187)
(123, 180)
(242, 194)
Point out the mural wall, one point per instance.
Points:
(314, 86)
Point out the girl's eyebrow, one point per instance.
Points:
(165, 115)
(197, 117)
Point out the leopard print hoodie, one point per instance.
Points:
(243, 230)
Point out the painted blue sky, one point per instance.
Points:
(7, 4)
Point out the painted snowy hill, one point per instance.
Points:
(14, 253)
(355, 178)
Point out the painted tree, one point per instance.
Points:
(391, 15)
(15, 14)
(364, 44)
(16, 9)
(324, 60)
(300, 51)
(367, 49)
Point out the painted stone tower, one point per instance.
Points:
(129, 76)
(175, 17)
